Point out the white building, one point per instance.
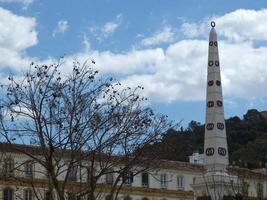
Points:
(196, 158)
(171, 181)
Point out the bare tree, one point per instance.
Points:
(79, 125)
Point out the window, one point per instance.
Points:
(245, 186)
(48, 195)
(127, 198)
(180, 182)
(90, 174)
(205, 197)
(72, 173)
(145, 178)
(8, 194)
(163, 180)
(145, 198)
(8, 167)
(29, 169)
(108, 197)
(128, 178)
(71, 196)
(260, 190)
(109, 178)
(28, 194)
(232, 183)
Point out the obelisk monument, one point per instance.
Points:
(215, 148)
(215, 183)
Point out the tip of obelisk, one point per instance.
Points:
(212, 24)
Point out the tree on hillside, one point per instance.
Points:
(246, 138)
(85, 128)
(179, 144)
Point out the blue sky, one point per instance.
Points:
(160, 44)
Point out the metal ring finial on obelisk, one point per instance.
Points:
(212, 23)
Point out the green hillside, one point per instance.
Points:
(247, 140)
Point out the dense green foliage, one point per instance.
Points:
(247, 141)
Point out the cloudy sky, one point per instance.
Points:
(160, 44)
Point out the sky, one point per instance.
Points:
(159, 44)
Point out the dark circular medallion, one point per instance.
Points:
(210, 104)
(209, 151)
(210, 126)
(210, 63)
(222, 151)
(219, 103)
(217, 63)
(210, 83)
(220, 126)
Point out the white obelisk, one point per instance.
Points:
(215, 181)
(215, 148)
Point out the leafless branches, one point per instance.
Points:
(81, 127)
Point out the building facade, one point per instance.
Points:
(23, 179)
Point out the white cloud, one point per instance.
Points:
(86, 43)
(172, 74)
(180, 74)
(164, 36)
(239, 25)
(62, 26)
(25, 3)
(244, 25)
(111, 26)
(192, 30)
(179, 71)
(17, 33)
(167, 75)
(177, 76)
(124, 64)
(107, 29)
